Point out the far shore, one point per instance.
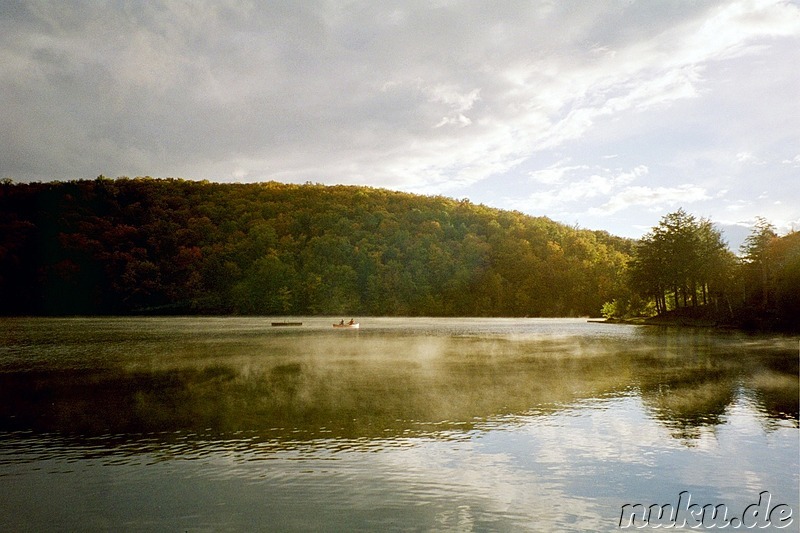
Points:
(764, 323)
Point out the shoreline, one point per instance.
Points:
(752, 324)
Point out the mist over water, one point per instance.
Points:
(443, 424)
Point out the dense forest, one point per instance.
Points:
(119, 246)
(122, 246)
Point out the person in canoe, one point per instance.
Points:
(341, 322)
(351, 322)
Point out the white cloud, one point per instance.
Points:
(737, 205)
(748, 158)
(576, 192)
(452, 97)
(652, 197)
(554, 173)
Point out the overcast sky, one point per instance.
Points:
(604, 114)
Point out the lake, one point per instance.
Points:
(229, 424)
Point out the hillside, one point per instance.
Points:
(173, 246)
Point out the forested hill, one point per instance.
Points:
(173, 246)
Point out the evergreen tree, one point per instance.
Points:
(756, 257)
(681, 261)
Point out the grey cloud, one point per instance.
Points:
(339, 92)
(180, 85)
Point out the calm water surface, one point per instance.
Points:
(229, 424)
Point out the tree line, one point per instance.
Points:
(143, 245)
(684, 267)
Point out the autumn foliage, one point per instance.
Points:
(173, 246)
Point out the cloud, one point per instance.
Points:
(749, 158)
(652, 197)
(602, 183)
(737, 205)
(445, 97)
(554, 173)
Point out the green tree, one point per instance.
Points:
(757, 261)
(785, 258)
(266, 288)
(682, 258)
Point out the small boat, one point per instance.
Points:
(347, 325)
(285, 323)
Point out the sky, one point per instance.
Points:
(600, 114)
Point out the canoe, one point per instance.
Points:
(287, 323)
(347, 326)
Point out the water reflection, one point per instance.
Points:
(450, 425)
(125, 379)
